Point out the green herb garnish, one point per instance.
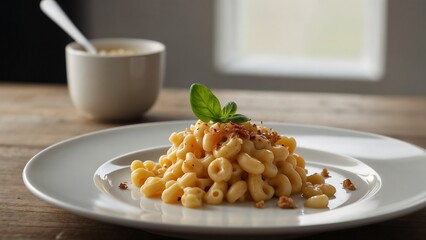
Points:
(207, 108)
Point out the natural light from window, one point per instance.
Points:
(306, 38)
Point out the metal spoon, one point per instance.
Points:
(55, 12)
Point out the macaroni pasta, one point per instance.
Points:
(216, 162)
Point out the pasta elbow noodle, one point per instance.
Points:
(220, 170)
(247, 146)
(302, 174)
(290, 159)
(315, 179)
(172, 194)
(153, 187)
(259, 189)
(192, 197)
(189, 144)
(199, 131)
(204, 183)
(270, 170)
(140, 175)
(192, 164)
(210, 140)
(280, 152)
(237, 173)
(136, 164)
(229, 149)
(318, 201)
(295, 179)
(214, 196)
(250, 164)
(176, 138)
(288, 142)
(282, 185)
(299, 159)
(236, 191)
(188, 179)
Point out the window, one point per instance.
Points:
(304, 38)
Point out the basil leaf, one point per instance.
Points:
(228, 110)
(238, 118)
(206, 106)
(204, 103)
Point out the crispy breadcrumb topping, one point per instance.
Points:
(325, 172)
(286, 203)
(347, 184)
(260, 204)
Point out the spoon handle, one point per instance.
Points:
(55, 12)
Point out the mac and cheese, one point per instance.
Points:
(214, 163)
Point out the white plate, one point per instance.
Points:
(389, 175)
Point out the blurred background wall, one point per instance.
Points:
(31, 44)
(34, 45)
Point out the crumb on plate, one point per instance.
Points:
(260, 204)
(286, 203)
(123, 186)
(347, 184)
(325, 172)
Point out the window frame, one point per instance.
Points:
(229, 60)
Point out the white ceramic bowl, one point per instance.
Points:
(115, 87)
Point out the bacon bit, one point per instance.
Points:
(244, 131)
(325, 172)
(123, 186)
(286, 203)
(347, 184)
(240, 130)
(260, 204)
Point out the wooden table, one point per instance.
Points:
(33, 117)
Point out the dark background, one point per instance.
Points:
(32, 45)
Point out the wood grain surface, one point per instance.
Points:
(33, 117)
